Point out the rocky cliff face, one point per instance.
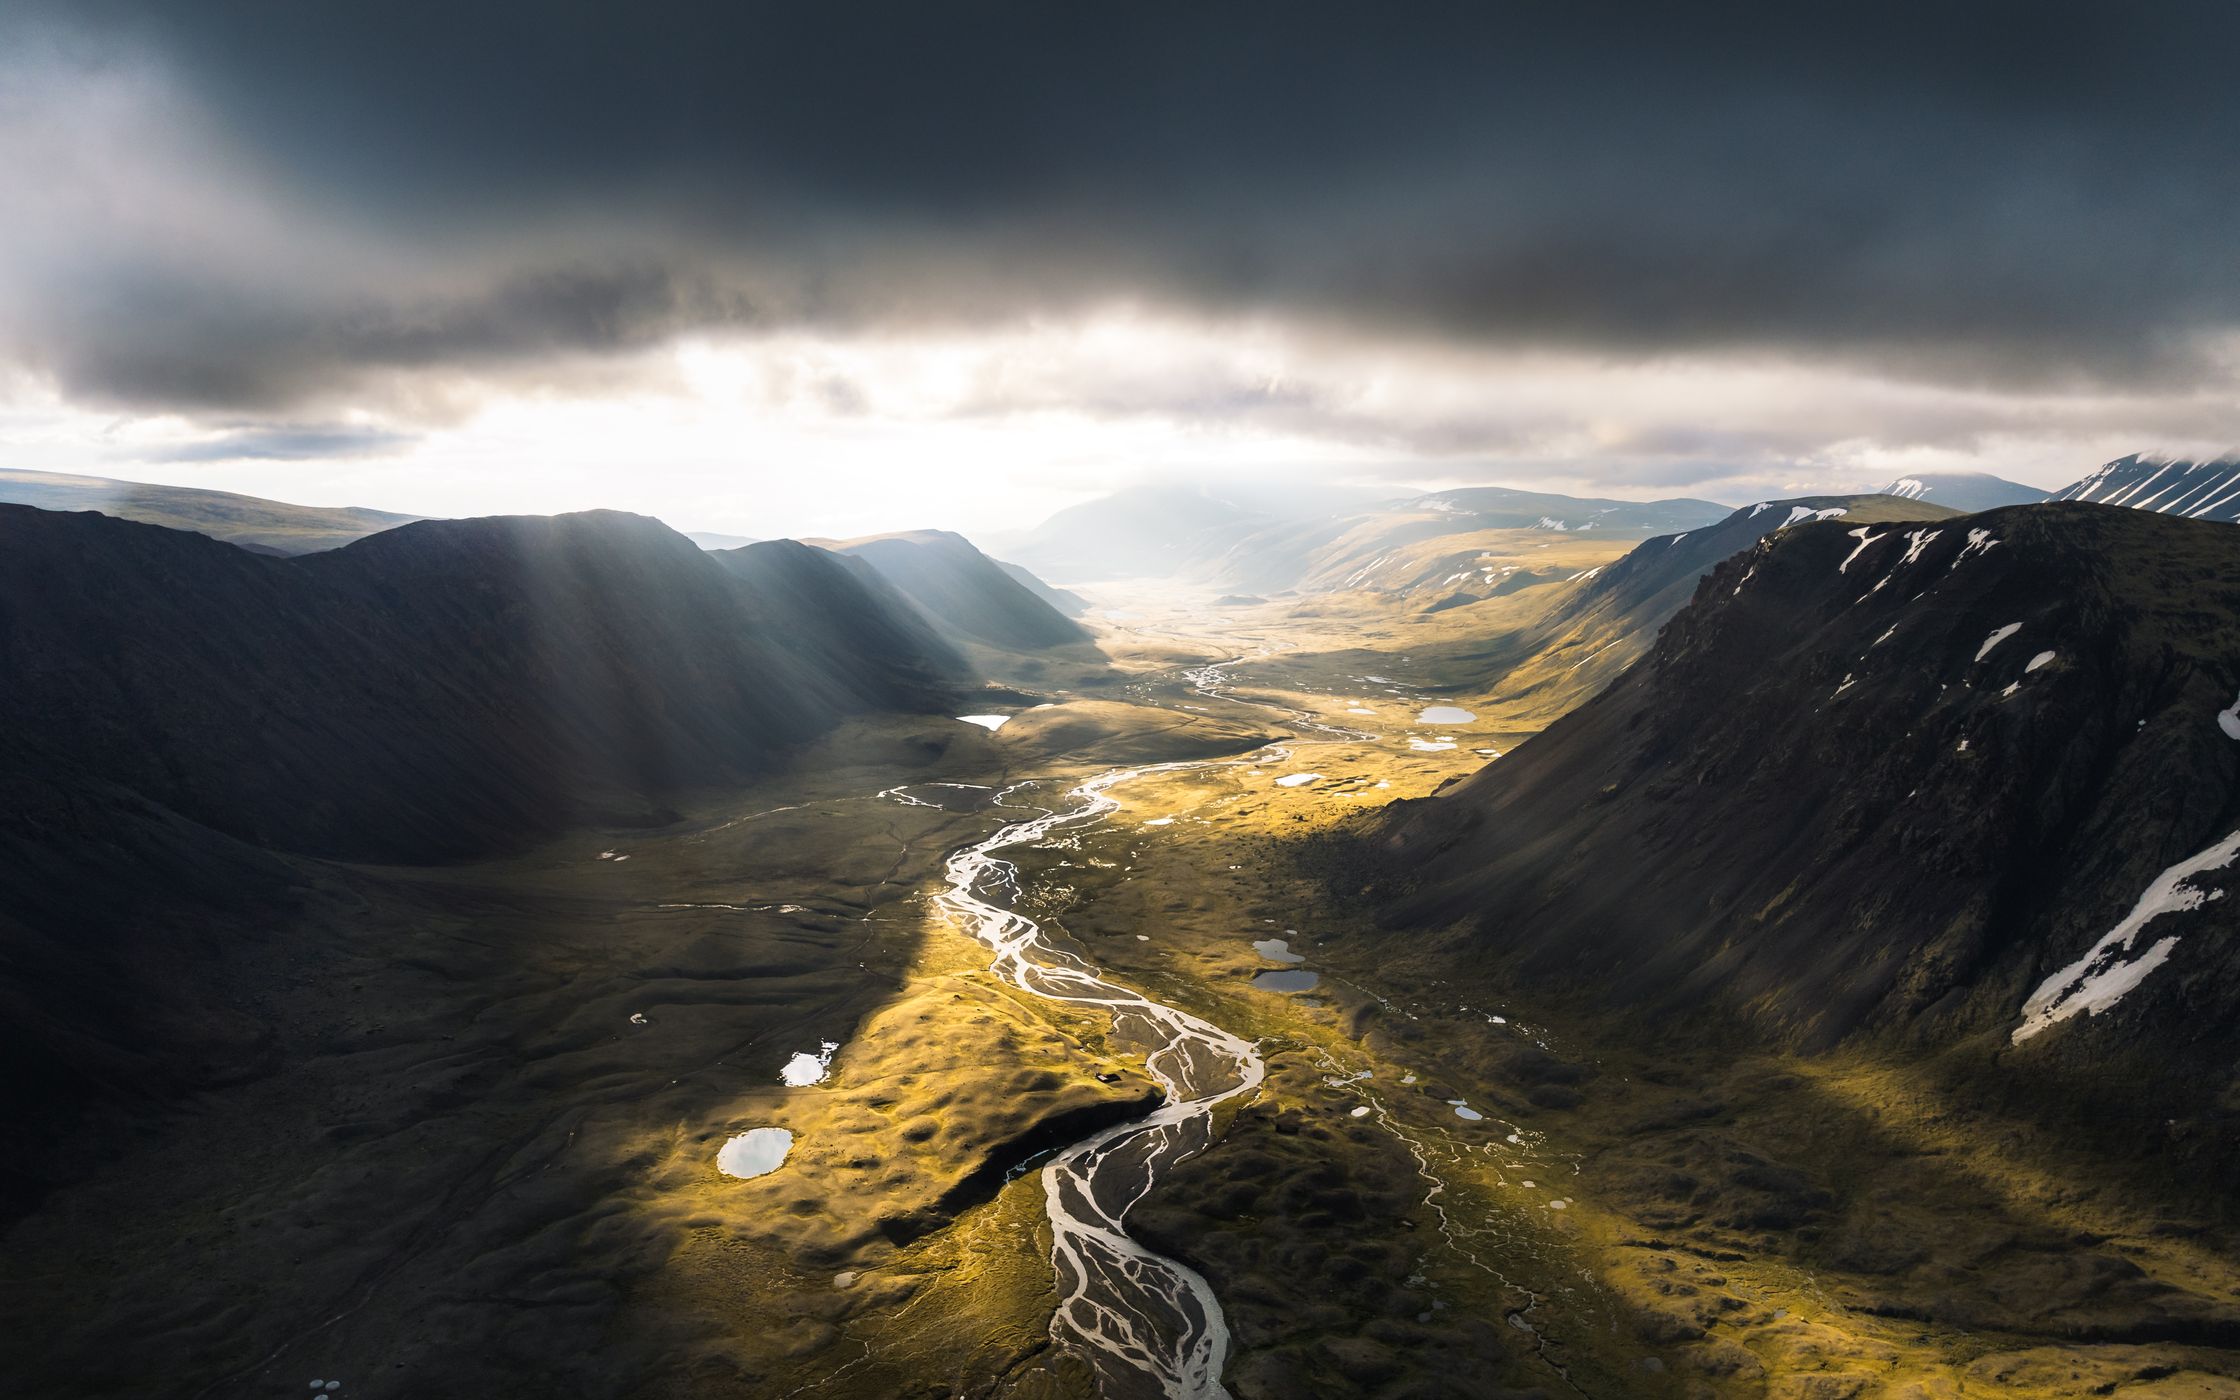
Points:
(1970, 780)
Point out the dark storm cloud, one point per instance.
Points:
(283, 443)
(1993, 192)
(192, 343)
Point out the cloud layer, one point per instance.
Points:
(1990, 191)
(388, 217)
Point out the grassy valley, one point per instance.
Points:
(429, 1104)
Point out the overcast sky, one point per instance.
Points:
(835, 268)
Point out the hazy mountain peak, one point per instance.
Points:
(966, 596)
(1963, 490)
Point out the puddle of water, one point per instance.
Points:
(991, 723)
(1160, 821)
(1302, 779)
(1361, 1112)
(756, 1152)
(805, 1069)
(1277, 950)
(1445, 714)
(1430, 746)
(1287, 981)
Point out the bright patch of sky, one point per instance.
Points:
(992, 430)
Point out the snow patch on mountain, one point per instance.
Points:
(2102, 977)
(1865, 537)
(1999, 635)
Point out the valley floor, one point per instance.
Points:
(485, 1162)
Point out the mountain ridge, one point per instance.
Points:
(1964, 491)
(251, 522)
(440, 689)
(2206, 490)
(963, 594)
(1841, 814)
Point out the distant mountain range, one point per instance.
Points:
(967, 597)
(1142, 531)
(1499, 507)
(1971, 782)
(1416, 542)
(2205, 490)
(711, 540)
(1964, 491)
(1396, 545)
(268, 527)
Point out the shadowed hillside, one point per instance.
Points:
(444, 688)
(180, 712)
(964, 594)
(1594, 625)
(1899, 780)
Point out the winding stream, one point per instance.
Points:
(1149, 1325)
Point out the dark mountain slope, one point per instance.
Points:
(861, 618)
(1592, 632)
(272, 527)
(962, 592)
(1657, 578)
(116, 916)
(443, 688)
(2151, 481)
(1964, 491)
(1887, 780)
